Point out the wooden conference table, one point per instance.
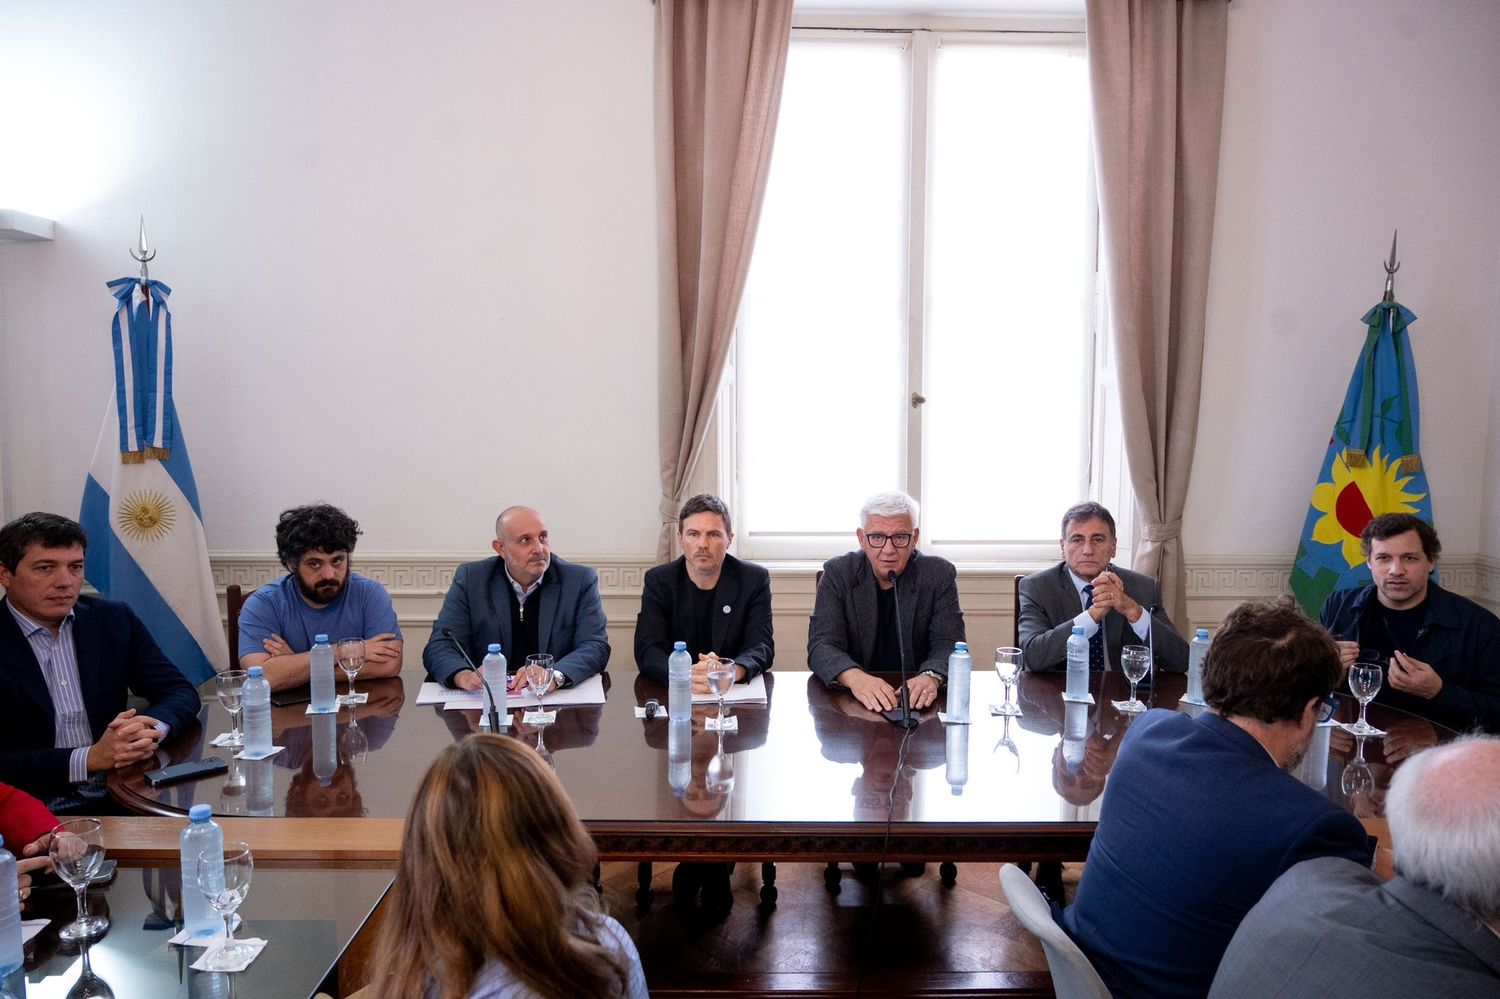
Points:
(813, 775)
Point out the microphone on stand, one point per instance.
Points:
(900, 716)
(1151, 646)
(494, 714)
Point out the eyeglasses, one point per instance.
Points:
(1327, 705)
(879, 540)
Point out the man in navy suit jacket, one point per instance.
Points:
(67, 665)
(528, 600)
(1200, 815)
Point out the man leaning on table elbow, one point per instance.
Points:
(526, 599)
(855, 627)
(1200, 815)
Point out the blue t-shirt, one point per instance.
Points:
(363, 610)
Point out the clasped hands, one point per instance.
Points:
(127, 740)
(1110, 595)
(1404, 672)
(877, 695)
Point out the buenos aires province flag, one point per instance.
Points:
(140, 503)
(1373, 464)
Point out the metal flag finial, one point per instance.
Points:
(145, 255)
(1391, 267)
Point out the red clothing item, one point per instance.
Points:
(22, 818)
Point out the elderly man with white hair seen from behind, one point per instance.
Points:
(855, 627)
(1331, 927)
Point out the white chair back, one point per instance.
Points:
(1073, 977)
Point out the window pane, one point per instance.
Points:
(1010, 235)
(821, 357)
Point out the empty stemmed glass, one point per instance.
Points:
(89, 985)
(77, 850)
(350, 655)
(229, 685)
(1364, 684)
(1135, 660)
(225, 890)
(1357, 779)
(1008, 668)
(538, 676)
(1008, 743)
(721, 674)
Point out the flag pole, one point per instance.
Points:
(1391, 266)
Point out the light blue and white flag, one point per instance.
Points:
(140, 503)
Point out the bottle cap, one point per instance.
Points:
(201, 812)
(1077, 629)
(494, 648)
(257, 671)
(1202, 633)
(960, 646)
(679, 646)
(320, 639)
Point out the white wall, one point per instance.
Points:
(1344, 120)
(412, 251)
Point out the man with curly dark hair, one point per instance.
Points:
(320, 594)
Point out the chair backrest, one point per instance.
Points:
(234, 599)
(1015, 609)
(1073, 977)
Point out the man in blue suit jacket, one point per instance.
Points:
(529, 601)
(68, 664)
(1200, 815)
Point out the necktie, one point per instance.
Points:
(1096, 642)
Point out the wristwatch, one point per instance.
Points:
(937, 677)
(559, 678)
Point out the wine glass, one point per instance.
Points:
(354, 745)
(1008, 667)
(350, 653)
(719, 778)
(538, 675)
(77, 850)
(1135, 660)
(1364, 684)
(1008, 743)
(721, 675)
(229, 685)
(225, 888)
(89, 985)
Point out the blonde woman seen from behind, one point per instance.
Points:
(492, 898)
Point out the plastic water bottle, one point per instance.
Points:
(956, 758)
(11, 956)
(320, 673)
(1197, 650)
(1075, 734)
(1078, 664)
(257, 699)
(680, 684)
(325, 740)
(960, 669)
(200, 835)
(679, 754)
(494, 667)
(260, 788)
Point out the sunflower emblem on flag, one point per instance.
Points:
(146, 516)
(1373, 464)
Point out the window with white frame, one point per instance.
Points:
(920, 307)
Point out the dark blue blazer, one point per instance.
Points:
(742, 620)
(571, 625)
(1197, 822)
(116, 657)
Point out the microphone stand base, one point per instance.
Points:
(900, 718)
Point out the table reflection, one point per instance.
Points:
(692, 747)
(849, 732)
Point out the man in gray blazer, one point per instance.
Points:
(1330, 927)
(1085, 589)
(855, 626)
(528, 600)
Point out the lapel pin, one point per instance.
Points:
(726, 608)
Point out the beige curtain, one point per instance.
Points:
(1157, 73)
(719, 68)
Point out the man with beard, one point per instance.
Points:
(1200, 815)
(320, 594)
(528, 600)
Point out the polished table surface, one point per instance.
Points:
(305, 917)
(814, 774)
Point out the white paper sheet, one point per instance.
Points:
(590, 691)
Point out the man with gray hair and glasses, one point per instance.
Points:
(1330, 927)
(856, 628)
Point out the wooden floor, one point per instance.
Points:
(927, 940)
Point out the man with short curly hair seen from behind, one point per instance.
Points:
(320, 594)
(1200, 815)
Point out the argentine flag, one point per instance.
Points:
(140, 504)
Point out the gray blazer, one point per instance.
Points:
(841, 633)
(1329, 927)
(477, 609)
(1050, 602)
